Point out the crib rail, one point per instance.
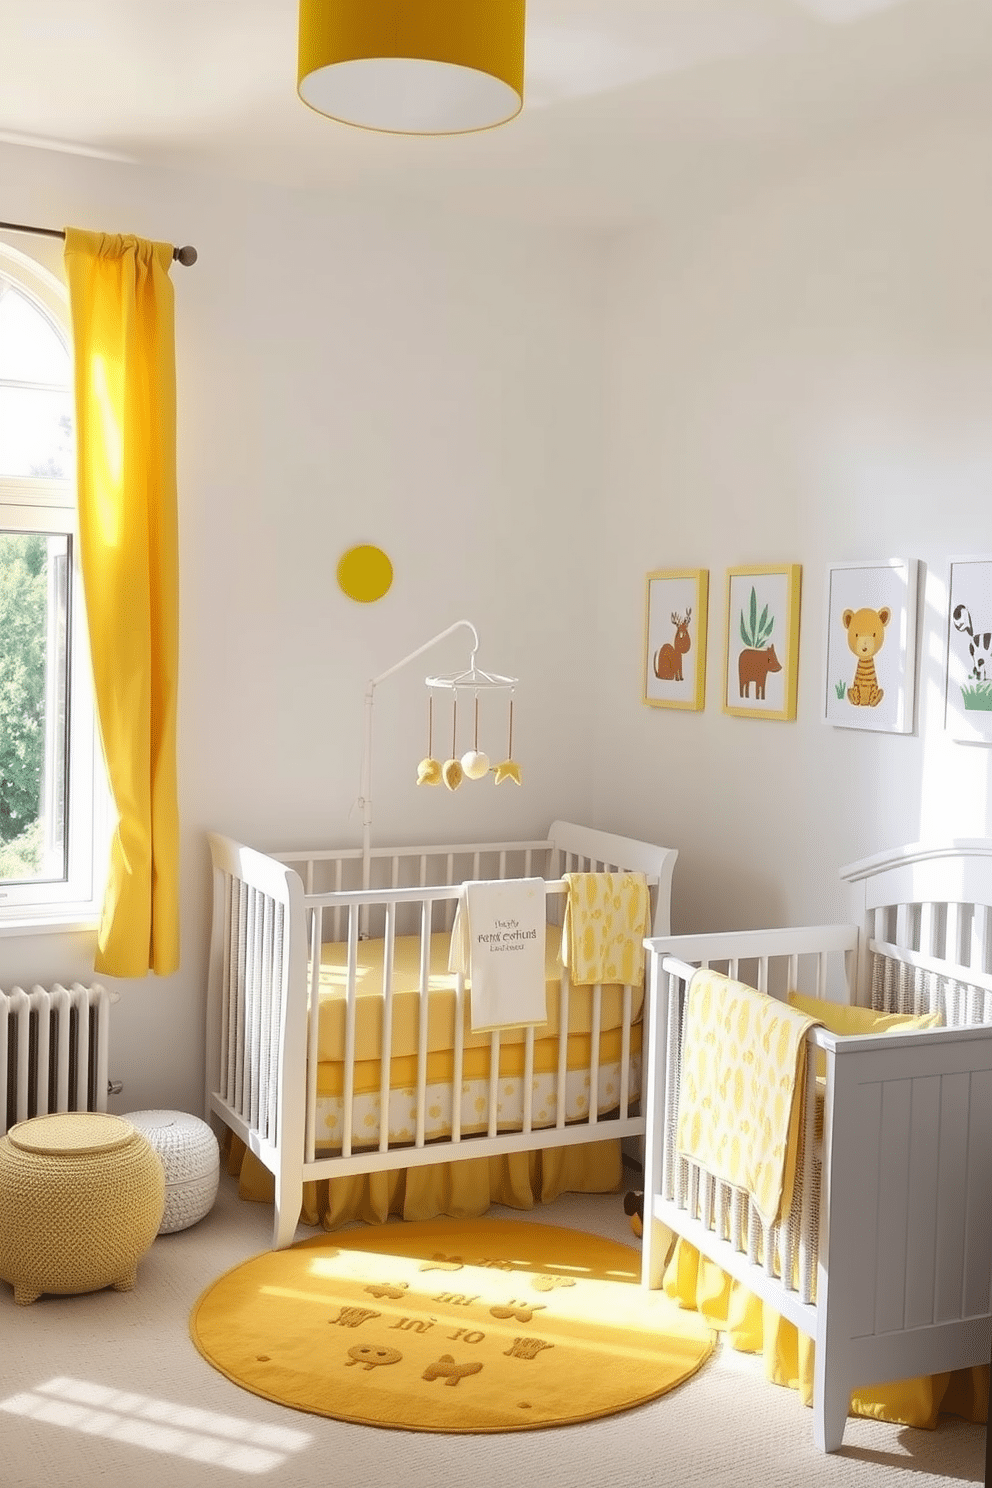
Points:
(338, 872)
(567, 849)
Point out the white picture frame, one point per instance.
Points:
(871, 645)
(968, 665)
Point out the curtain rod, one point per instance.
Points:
(185, 256)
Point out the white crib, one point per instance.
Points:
(885, 1259)
(338, 1044)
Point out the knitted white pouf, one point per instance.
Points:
(191, 1159)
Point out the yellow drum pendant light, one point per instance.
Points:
(413, 66)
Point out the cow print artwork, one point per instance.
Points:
(979, 644)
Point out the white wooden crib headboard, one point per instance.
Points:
(926, 919)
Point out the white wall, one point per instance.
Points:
(804, 377)
(430, 385)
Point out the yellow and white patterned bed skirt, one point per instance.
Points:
(474, 1106)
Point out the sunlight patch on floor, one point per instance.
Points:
(158, 1425)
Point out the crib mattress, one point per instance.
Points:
(441, 1001)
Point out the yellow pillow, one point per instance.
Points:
(844, 1018)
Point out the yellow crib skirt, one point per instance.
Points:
(460, 1190)
(753, 1327)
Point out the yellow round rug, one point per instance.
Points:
(473, 1325)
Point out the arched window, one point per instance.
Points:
(49, 820)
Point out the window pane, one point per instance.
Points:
(30, 348)
(34, 632)
(36, 433)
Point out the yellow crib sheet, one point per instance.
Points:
(441, 1000)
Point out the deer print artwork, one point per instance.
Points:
(668, 658)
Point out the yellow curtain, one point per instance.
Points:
(121, 304)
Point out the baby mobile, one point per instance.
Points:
(474, 763)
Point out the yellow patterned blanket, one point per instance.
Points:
(743, 1064)
(605, 922)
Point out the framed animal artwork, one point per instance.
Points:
(762, 671)
(968, 675)
(675, 638)
(871, 645)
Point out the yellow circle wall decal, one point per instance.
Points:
(365, 573)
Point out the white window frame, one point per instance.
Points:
(41, 504)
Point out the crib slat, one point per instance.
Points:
(625, 1052)
(822, 973)
(528, 1087)
(422, 1025)
(229, 983)
(809, 1196)
(563, 1022)
(272, 1096)
(597, 1023)
(261, 1035)
(737, 1208)
(253, 993)
(313, 1004)
(672, 1023)
(953, 949)
(253, 1008)
(458, 1065)
(350, 1011)
(386, 1052)
(493, 1084)
(244, 951)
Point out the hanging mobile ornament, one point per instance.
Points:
(509, 769)
(429, 769)
(451, 771)
(474, 763)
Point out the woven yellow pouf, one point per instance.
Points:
(81, 1200)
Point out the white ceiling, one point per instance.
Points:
(629, 104)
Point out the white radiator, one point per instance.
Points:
(54, 1046)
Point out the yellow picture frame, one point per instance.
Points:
(675, 624)
(762, 621)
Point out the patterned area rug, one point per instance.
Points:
(455, 1325)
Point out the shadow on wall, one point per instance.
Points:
(715, 894)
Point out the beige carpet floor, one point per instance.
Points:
(108, 1389)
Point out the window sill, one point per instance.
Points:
(63, 919)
